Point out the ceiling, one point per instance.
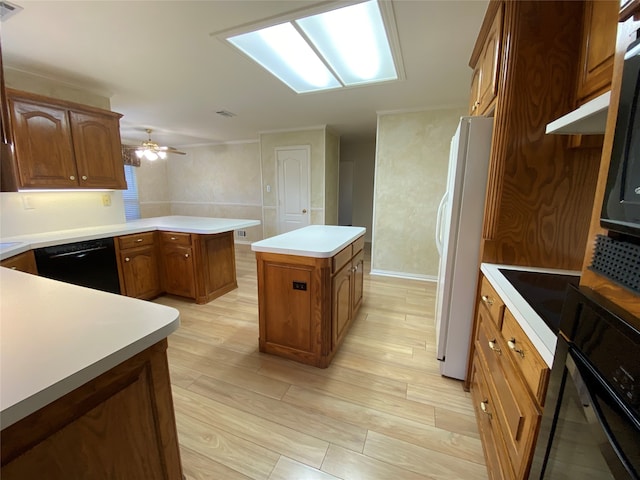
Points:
(162, 68)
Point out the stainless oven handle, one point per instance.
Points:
(77, 252)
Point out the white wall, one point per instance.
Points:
(38, 212)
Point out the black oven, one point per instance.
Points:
(591, 423)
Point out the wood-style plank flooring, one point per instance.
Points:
(380, 411)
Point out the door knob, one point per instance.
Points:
(304, 210)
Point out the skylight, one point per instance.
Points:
(343, 47)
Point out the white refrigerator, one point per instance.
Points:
(458, 237)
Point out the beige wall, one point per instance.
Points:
(331, 180)
(363, 156)
(412, 156)
(27, 82)
(315, 138)
(210, 181)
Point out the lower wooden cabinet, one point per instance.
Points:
(178, 271)
(138, 265)
(25, 262)
(307, 304)
(118, 425)
(508, 385)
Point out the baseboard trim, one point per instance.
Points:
(407, 276)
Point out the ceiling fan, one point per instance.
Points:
(151, 150)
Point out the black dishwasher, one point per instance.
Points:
(91, 263)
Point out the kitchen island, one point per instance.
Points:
(310, 287)
(84, 383)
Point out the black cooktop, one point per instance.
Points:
(545, 292)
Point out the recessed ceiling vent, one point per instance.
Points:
(226, 113)
(8, 10)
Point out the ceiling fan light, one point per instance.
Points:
(162, 155)
(150, 155)
(139, 153)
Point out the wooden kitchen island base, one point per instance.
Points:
(307, 301)
(120, 425)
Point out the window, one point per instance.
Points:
(130, 195)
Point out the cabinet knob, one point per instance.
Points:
(512, 345)
(84, 177)
(186, 255)
(72, 177)
(173, 238)
(127, 259)
(494, 347)
(484, 406)
(14, 268)
(139, 240)
(487, 299)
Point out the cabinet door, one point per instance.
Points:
(96, 141)
(179, 278)
(140, 272)
(474, 97)
(358, 282)
(600, 26)
(490, 65)
(43, 147)
(341, 304)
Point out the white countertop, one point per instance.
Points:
(541, 336)
(56, 337)
(202, 225)
(319, 241)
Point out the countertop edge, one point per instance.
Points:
(26, 407)
(541, 336)
(32, 241)
(324, 253)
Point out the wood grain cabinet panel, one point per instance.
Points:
(500, 374)
(138, 265)
(25, 262)
(178, 270)
(307, 304)
(599, 27)
(119, 425)
(61, 144)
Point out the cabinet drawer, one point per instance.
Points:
(341, 258)
(531, 365)
(176, 238)
(358, 245)
(492, 301)
(135, 240)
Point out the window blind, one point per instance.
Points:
(130, 195)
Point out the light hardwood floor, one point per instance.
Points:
(380, 411)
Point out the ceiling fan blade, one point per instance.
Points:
(172, 150)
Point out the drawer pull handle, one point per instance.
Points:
(173, 238)
(127, 259)
(484, 406)
(14, 268)
(492, 346)
(487, 299)
(139, 240)
(84, 177)
(72, 177)
(512, 346)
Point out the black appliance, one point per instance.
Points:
(621, 206)
(543, 291)
(591, 423)
(90, 263)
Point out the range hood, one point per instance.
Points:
(588, 119)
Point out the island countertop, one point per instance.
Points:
(319, 241)
(200, 225)
(57, 337)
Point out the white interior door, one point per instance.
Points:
(294, 201)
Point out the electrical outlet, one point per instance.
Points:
(106, 200)
(241, 233)
(299, 285)
(26, 202)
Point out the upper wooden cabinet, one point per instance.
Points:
(539, 191)
(60, 144)
(600, 22)
(485, 61)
